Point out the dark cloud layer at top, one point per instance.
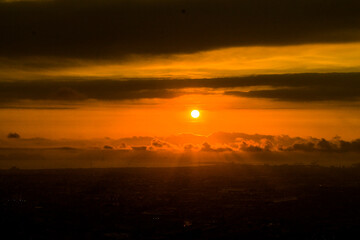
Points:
(287, 87)
(107, 29)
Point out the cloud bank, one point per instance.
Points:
(307, 87)
(216, 142)
(177, 150)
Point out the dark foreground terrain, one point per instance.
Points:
(213, 202)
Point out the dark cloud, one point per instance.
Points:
(157, 144)
(142, 148)
(250, 146)
(285, 87)
(81, 90)
(306, 87)
(190, 147)
(112, 29)
(123, 146)
(306, 147)
(206, 147)
(323, 145)
(13, 135)
(304, 94)
(353, 146)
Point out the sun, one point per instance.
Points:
(195, 113)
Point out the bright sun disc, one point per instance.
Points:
(195, 113)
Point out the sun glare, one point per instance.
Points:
(195, 113)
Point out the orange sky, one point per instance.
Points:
(138, 68)
(166, 117)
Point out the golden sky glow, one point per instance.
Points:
(225, 62)
(171, 116)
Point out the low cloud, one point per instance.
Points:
(216, 142)
(123, 146)
(159, 144)
(13, 135)
(142, 148)
(191, 147)
(323, 145)
(250, 146)
(206, 147)
(218, 148)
